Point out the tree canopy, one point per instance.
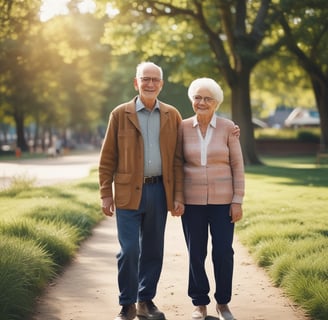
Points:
(223, 39)
(66, 73)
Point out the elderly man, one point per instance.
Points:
(137, 180)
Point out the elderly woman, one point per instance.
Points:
(213, 190)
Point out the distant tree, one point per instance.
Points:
(52, 73)
(305, 26)
(17, 19)
(81, 74)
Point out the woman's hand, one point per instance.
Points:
(178, 209)
(236, 212)
(236, 131)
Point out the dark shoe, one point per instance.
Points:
(128, 312)
(224, 312)
(148, 310)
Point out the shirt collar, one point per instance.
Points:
(140, 105)
(212, 122)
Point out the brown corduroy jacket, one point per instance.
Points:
(122, 155)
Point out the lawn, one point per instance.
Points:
(40, 232)
(285, 227)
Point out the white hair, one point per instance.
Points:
(144, 64)
(209, 84)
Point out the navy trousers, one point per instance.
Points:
(141, 238)
(197, 221)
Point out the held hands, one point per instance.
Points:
(107, 206)
(178, 209)
(236, 212)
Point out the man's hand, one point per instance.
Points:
(107, 206)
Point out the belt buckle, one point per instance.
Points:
(148, 180)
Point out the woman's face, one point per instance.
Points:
(203, 103)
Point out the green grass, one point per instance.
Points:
(41, 229)
(285, 227)
(59, 240)
(25, 268)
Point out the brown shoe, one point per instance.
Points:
(224, 312)
(128, 312)
(148, 310)
(199, 313)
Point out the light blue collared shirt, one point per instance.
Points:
(150, 127)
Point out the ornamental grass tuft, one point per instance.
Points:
(25, 268)
(59, 240)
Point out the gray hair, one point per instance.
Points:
(209, 84)
(144, 64)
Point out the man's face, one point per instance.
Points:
(149, 84)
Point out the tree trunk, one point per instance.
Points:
(36, 136)
(242, 115)
(321, 97)
(20, 141)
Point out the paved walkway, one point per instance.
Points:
(48, 171)
(87, 289)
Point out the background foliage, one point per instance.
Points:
(61, 76)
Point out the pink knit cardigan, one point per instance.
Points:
(221, 181)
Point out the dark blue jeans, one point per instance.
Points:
(141, 237)
(197, 221)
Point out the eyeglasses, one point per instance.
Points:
(198, 99)
(149, 79)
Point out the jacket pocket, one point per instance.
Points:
(122, 183)
(123, 178)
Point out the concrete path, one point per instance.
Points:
(87, 289)
(47, 171)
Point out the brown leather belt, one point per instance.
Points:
(152, 180)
